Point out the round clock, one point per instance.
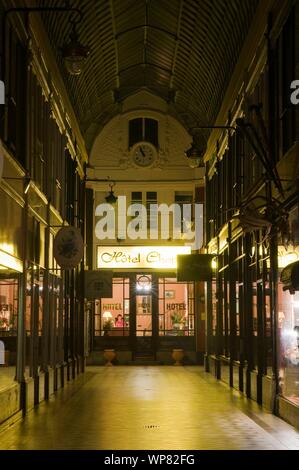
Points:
(143, 154)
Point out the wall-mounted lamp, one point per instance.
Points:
(198, 147)
(195, 155)
(73, 52)
(111, 198)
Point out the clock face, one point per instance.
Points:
(143, 154)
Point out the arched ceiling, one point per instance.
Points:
(181, 50)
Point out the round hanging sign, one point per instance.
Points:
(68, 247)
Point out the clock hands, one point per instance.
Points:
(143, 154)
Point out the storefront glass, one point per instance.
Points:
(112, 314)
(176, 308)
(8, 329)
(288, 338)
(288, 317)
(134, 304)
(144, 305)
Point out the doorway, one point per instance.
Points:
(144, 309)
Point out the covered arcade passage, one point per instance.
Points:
(132, 132)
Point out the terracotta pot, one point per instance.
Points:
(109, 355)
(177, 355)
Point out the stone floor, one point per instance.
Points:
(149, 407)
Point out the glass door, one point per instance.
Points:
(144, 314)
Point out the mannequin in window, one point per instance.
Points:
(119, 321)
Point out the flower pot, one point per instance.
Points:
(109, 355)
(177, 355)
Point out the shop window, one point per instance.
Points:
(8, 307)
(182, 198)
(112, 316)
(268, 329)
(214, 307)
(8, 329)
(176, 308)
(288, 334)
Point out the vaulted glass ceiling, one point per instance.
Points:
(181, 50)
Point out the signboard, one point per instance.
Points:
(131, 257)
(195, 267)
(68, 247)
(98, 284)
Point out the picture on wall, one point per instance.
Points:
(169, 294)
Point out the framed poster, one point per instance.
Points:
(170, 294)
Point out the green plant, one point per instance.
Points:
(176, 317)
(108, 325)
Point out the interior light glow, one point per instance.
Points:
(107, 315)
(10, 262)
(286, 257)
(7, 247)
(214, 263)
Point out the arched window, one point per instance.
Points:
(143, 129)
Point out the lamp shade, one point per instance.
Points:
(111, 198)
(107, 315)
(195, 156)
(74, 55)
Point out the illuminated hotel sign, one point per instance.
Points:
(130, 257)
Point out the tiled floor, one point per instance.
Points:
(149, 407)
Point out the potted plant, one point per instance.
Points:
(108, 325)
(177, 320)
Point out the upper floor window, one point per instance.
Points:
(143, 129)
(182, 199)
(136, 197)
